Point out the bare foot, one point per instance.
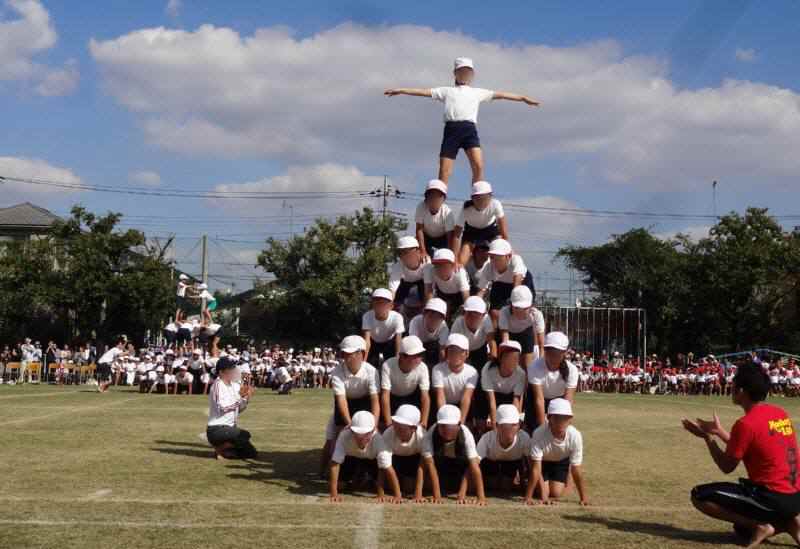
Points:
(760, 533)
(220, 456)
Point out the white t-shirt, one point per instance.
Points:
(110, 355)
(487, 274)
(509, 323)
(477, 339)
(553, 385)
(181, 291)
(450, 448)
(492, 381)
(438, 224)
(399, 272)
(375, 449)
(224, 402)
(480, 219)
(382, 331)
(489, 447)
(454, 384)
(544, 447)
(417, 328)
(358, 385)
(400, 448)
(398, 383)
(458, 283)
(185, 379)
(461, 102)
(283, 375)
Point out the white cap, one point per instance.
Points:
(481, 187)
(444, 255)
(507, 414)
(437, 305)
(407, 414)
(475, 304)
(556, 340)
(382, 293)
(448, 414)
(412, 346)
(559, 407)
(511, 344)
(202, 286)
(462, 62)
(183, 277)
(363, 422)
(405, 242)
(521, 297)
(500, 246)
(437, 185)
(353, 343)
(458, 340)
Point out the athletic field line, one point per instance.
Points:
(62, 410)
(48, 393)
(368, 533)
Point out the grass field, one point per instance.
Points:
(86, 470)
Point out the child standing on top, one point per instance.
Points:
(461, 103)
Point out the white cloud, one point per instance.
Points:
(145, 177)
(173, 8)
(747, 55)
(59, 81)
(34, 168)
(319, 99)
(694, 232)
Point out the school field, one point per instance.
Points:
(85, 470)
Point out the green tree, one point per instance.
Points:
(322, 276)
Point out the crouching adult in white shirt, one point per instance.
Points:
(226, 400)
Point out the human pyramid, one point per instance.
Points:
(446, 406)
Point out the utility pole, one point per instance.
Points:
(291, 217)
(385, 194)
(204, 264)
(714, 193)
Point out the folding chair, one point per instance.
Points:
(12, 370)
(35, 369)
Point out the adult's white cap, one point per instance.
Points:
(183, 277)
(353, 343)
(512, 345)
(461, 62)
(363, 422)
(475, 304)
(437, 185)
(556, 340)
(444, 255)
(559, 407)
(500, 246)
(407, 414)
(406, 242)
(437, 305)
(458, 340)
(481, 187)
(507, 414)
(521, 297)
(448, 414)
(382, 293)
(411, 346)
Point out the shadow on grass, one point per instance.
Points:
(664, 530)
(295, 471)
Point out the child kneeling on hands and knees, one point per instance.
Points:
(504, 451)
(404, 440)
(360, 450)
(556, 451)
(451, 458)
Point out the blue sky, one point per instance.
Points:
(680, 93)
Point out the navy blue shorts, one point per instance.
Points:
(474, 235)
(557, 471)
(750, 500)
(500, 295)
(459, 135)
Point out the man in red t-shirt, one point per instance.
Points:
(768, 501)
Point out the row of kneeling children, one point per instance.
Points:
(450, 407)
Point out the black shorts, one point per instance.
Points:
(352, 468)
(500, 295)
(557, 471)
(220, 434)
(406, 466)
(353, 405)
(459, 135)
(415, 399)
(450, 471)
(170, 336)
(405, 288)
(508, 469)
(181, 302)
(433, 243)
(103, 372)
(386, 348)
(478, 357)
(750, 500)
(530, 414)
(432, 354)
(184, 335)
(524, 338)
(473, 234)
(454, 301)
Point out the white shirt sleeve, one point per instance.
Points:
(427, 273)
(469, 444)
(427, 443)
(438, 94)
(499, 213)
(483, 445)
(572, 376)
(444, 333)
(484, 94)
(449, 221)
(537, 451)
(340, 450)
(503, 320)
(400, 323)
(518, 265)
(395, 276)
(463, 280)
(538, 321)
(386, 378)
(419, 214)
(519, 386)
(472, 380)
(337, 383)
(576, 458)
(382, 453)
(436, 378)
(484, 275)
(367, 321)
(460, 219)
(424, 382)
(374, 382)
(535, 376)
(486, 381)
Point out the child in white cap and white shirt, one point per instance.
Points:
(461, 103)
(504, 450)
(403, 438)
(405, 380)
(360, 449)
(482, 218)
(408, 271)
(431, 328)
(434, 219)
(454, 381)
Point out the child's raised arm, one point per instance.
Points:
(419, 92)
(515, 97)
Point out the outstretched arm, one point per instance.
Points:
(419, 92)
(515, 97)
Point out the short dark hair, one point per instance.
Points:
(752, 379)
